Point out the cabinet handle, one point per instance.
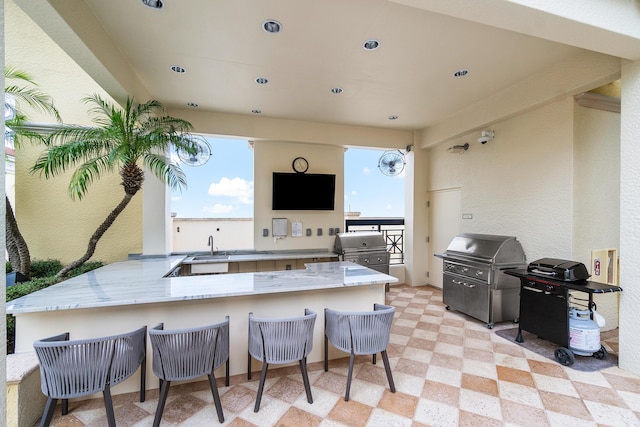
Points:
(468, 285)
(457, 282)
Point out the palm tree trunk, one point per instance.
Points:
(17, 248)
(93, 241)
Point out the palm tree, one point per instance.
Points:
(23, 93)
(122, 140)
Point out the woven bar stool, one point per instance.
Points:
(70, 369)
(281, 341)
(359, 333)
(185, 354)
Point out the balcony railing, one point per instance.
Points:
(391, 228)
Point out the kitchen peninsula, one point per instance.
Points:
(125, 295)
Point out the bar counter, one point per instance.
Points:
(125, 295)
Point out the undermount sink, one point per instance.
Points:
(211, 257)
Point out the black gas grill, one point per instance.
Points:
(545, 301)
(365, 248)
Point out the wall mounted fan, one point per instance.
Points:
(391, 163)
(200, 157)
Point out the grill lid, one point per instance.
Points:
(487, 248)
(359, 241)
(559, 269)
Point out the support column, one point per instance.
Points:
(415, 220)
(629, 357)
(156, 216)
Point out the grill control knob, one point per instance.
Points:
(479, 273)
(549, 288)
(465, 269)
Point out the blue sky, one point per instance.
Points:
(223, 187)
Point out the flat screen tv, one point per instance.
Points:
(303, 192)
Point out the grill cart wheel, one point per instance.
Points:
(448, 308)
(489, 325)
(600, 354)
(564, 356)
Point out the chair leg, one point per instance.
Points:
(263, 375)
(305, 379)
(226, 374)
(216, 397)
(65, 406)
(351, 359)
(326, 353)
(248, 366)
(49, 409)
(108, 405)
(143, 380)
(387, 369)
(374, 358)
(162, 399)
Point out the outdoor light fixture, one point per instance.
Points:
(458, 149)
(154, 4)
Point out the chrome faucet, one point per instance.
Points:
(210, 243)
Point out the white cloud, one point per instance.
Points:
(217, 209)
(388, 207)
(366, 171)
(238, 188)
(354, 193)
(176, 198)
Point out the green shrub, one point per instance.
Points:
(48, 267)
(7, 267)
(42, 268)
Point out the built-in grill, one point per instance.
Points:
(474, 281)
(366, 248)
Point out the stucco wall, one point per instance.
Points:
(276, 156)
(596, 196)
(520, 183)
(192, 234)
(37, 200)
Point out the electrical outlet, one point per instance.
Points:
(308, 232)
(265, 232)
(319, 231)
(331, 231)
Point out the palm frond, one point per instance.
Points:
(86, 174)
(31, 96)
(169, 172)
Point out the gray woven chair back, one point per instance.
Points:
(363, 332)
(130, 350)
(184, 354)
(281, 340)
(78, 368)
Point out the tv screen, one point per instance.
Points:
(303, 192)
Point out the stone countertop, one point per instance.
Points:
(141, 282)
(247, 256)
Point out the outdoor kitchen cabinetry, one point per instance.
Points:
(467, 295)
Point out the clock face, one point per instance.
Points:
(300, 165)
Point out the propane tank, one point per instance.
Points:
(584, 333)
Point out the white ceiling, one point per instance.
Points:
(223, 48)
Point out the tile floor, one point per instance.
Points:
(449, 370)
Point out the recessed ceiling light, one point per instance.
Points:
(393, 117)
(262, 80)
(177, 69)
(256, 111)
(461, 73)
(154, 4)
(192, 104)
(371, 44)
(336, 90)
(272, 26)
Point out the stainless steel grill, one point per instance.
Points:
(474, 281)
(365, 248)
